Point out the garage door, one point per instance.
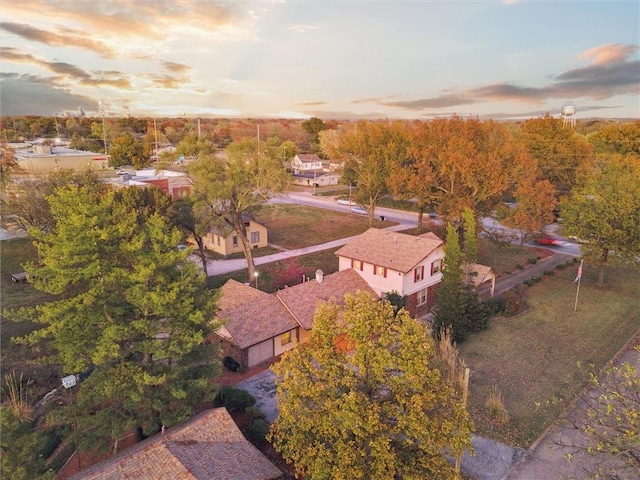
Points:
(260, 352)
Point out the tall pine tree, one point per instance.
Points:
(450, 306)
(132, 312)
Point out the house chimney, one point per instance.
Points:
(319, 275)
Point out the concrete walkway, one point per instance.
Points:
(220, 267)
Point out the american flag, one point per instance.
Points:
(579, 275)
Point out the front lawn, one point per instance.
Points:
(296, 226)
(540, 359)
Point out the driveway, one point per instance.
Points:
(492, 460)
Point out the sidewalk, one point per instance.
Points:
(507, 282)
(220, 267)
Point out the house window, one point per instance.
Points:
(255, 237)
(285, 338)
(422, 296)
(379, 270)
(436, 266)
(234, 241)
(247, 224)
(418, 273)
(356, 264)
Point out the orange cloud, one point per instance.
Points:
(611, 53)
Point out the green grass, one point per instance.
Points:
(14, 253)
(296, 226)
(326, 261)
(505, 258)
(20, 358)
(540, 359)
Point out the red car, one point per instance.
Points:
(550, 241)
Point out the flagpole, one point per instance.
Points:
(579, 278)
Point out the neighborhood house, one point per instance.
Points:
(259, 326)
(208, 446)
(225, 241)
(397, 262)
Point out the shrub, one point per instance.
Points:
(495, 407)
(496, 305)
(234, 399)
(255, 412)
(257, 430)
(532, 260)
(516, 300)
(519, 267)
(536, 279)
(527, 282)
(548, 273)
(561, 266)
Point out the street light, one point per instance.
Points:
(255, 274)
(68, 383)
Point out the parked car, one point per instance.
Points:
(344, 201)
(230, 364)
(359, 209)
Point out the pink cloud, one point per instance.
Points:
(611, 53)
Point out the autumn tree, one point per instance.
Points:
(621, 138)
(560, 152)
(25, 203)
(465, 162)
(412, 177)
(226, 190)
(131, 313)
(8, 164)
(368, 151)
(535, 204)
(604, 210)
(127, 150)
(608, 425)
(287, 272)
(313, 127)
(374, 405)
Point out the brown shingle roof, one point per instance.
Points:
(251, 316)
(303, 299)
(208, 446)
(397, 251)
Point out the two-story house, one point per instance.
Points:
(391, 261)
(307, 163)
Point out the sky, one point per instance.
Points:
(417, 59)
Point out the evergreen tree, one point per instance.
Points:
(470, 236)
(450, 306)
(132, 313)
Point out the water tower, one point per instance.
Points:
(568, 113)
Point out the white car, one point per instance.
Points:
(359, 209)
(344, 201)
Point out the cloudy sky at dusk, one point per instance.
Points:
(331, 59)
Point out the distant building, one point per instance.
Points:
(44, 158)
(176, 184)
